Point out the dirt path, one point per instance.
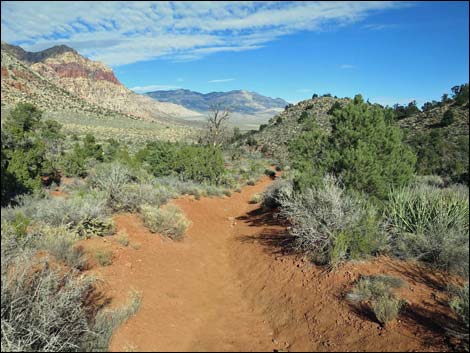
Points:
(192, 297)
(229, 287)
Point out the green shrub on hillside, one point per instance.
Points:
(439, 153)
(30, 149)
(364, 149)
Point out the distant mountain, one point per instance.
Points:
(239, 101)
(63, 69)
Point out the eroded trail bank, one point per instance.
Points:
(229, 286)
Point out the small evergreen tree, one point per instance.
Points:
(447, 118)
(364, 149)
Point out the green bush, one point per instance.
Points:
(197, 163)
(441, 153)
(430, 224)
(169, 221)
(30, 149)
(448, 118)
(364, 149)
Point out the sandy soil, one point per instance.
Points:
(229, 286)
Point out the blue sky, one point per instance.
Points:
(388, 51)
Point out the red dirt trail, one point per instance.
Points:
(228, 286)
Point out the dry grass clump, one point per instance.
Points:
(122, 238)
(104, 257)
(256, 198)
(169, 221)
(376, 293)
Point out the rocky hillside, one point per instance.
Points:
(86, 80)
(21, 84)
(274, 136)
(239, 101)
(420, 128)
(432, 119)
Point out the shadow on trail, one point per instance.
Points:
(275, 241)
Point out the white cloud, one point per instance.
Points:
(151, 88)
(119, 33)
(221, 80)
(379, 27)
(347, 66)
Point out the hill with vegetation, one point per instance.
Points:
(438, 134)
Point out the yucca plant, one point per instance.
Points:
(430, 224)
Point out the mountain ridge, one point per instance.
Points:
(240, 101)
(87, 80)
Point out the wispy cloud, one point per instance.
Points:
(380, 26)
(347, 66)
(120, 33)
(150, 88)
(221, 80)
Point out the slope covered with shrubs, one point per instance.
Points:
(45, 293)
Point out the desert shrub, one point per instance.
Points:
(331, 226)
(132, 196)
(271, 197)
(87, 214)
(107, 321)
(60, 243)
(42, 307)
(386, 308)
(256, 198)
(110, 178)
(459, 304)
(122, 238)
(377, 292)
(169, 221)
(115, 180)
(430, 224)
(104, 257)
